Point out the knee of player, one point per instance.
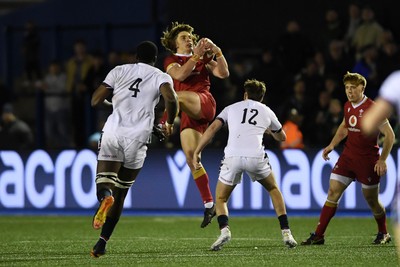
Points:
(189, 162)
(334, 194)
(222, 199)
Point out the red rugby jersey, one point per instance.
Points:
(198, 81)
(357, 143)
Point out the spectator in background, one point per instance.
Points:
(319, 60)
(297, 100)
(77, 69)
(15, 134)
(353, 21)
(113, 60)
(332, 87)
(333, 30)
(56, 107)
(269, 70)
(388, 60)
(30, 52)
(94, 78)
(312, 80)
(293, 48)
(335, 116)
(294, 135)
(337, 60)
(5, 95)
(319, 120)
(367, 67)
(368, 33)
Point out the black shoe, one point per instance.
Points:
(99, 249)
(158, 132)
(314, 240)
(382, 238)
(209, 213)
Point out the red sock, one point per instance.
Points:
(381, 221)
(327, 213)
(201, 178)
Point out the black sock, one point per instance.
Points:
(102, 193)
(102, 242)
(283, 221)
(222, 221)
(108, 227)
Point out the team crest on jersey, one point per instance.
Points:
(361, 113)
(352, 120)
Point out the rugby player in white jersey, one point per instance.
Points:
(247, 122)
(135, 90)
(387, 104)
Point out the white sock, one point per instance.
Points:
(208, 205)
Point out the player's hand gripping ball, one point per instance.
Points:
(209, 54)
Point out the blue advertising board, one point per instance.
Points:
(64, 180)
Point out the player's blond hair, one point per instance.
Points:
(255, 89)
(170, 34)
(354, 78)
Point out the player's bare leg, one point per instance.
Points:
(189, 140)
(378, 210)
(335, 191)
(222, 194)
(126, 178)
(189, 102)
(271, 186)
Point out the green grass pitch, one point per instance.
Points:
(179, 241)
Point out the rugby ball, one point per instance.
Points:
(207, 57)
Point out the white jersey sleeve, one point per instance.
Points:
(390, 90)
(247, 122)
(136, 92)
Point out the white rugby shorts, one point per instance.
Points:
(130, 152)
(232, 168)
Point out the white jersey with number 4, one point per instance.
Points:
(247, 122)
(136, 92)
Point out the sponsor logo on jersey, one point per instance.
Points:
(352, 120)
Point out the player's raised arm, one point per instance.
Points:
(219, 66)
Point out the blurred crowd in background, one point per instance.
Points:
(303, 75)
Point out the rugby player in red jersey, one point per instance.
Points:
(190, 65)
(360, 161)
